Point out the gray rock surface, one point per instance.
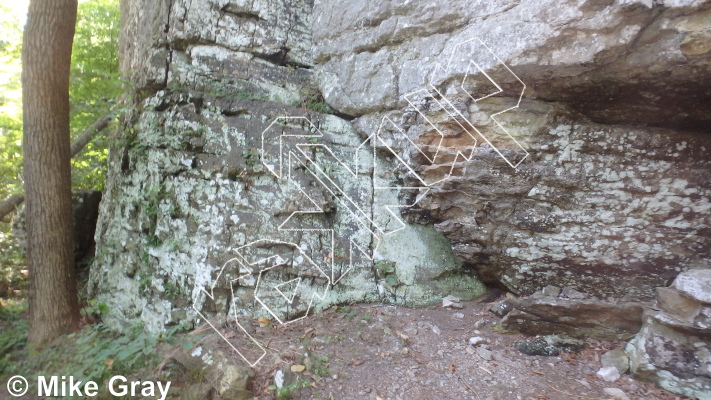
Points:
(672, 348)
(608, 374)
(576, 318)
(607, 202)
(596, 181)
(194, 203)
(551, 345)
(222, 374)
(616, 358)
(677, 357)
(576, 53)
(678, 304)
(695, 284)
(616, 393)
(551, 291)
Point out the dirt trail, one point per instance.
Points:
(388, 352)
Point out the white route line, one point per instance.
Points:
(298, 156)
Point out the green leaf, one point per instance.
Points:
(187, 345)
(391, 280)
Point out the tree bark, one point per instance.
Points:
(46, 58)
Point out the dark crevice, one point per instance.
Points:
(277, 58)
(239, 12)
(234, 113)
(344, 116)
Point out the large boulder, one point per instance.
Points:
(234, 192)
(673, 348)
(85, 212)
(584, 318)
(677, 357)
(595, 178)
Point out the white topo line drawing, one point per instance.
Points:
(294, 151)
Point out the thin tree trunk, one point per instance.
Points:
(46, 58)
(99, 125)
(11, 203)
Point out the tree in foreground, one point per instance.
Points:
(46, 58)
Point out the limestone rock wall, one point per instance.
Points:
(198, 220)
(612, 195)
(592, 172)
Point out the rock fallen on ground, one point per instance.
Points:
(451, 301)
(586, 318)
(608, 374)
(677, 303)
(616, 358)
(551, 345)
(616, 394)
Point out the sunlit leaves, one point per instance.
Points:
(10, 102)
(94, 88)
(95, 84)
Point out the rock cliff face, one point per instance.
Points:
(613, 198)
(539, 143)
(214, 197)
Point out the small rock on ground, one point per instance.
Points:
(608, 374)
(616, 394)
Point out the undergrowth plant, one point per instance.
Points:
(94, 353)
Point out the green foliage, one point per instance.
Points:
(94, 353)
(10, 101)
(13, 334)
(150, 206)
(387, 272)
(321, 367)
(12, 260)
(94, 88)
(95, 309)
(95, 84)
(288, 391)
(312, 99)
(251, 157)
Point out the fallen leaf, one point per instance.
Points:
(357, 363)
(297, 368)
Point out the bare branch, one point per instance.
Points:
(10, 204)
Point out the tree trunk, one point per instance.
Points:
(46, 57)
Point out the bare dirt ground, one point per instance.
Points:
(383, 352)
